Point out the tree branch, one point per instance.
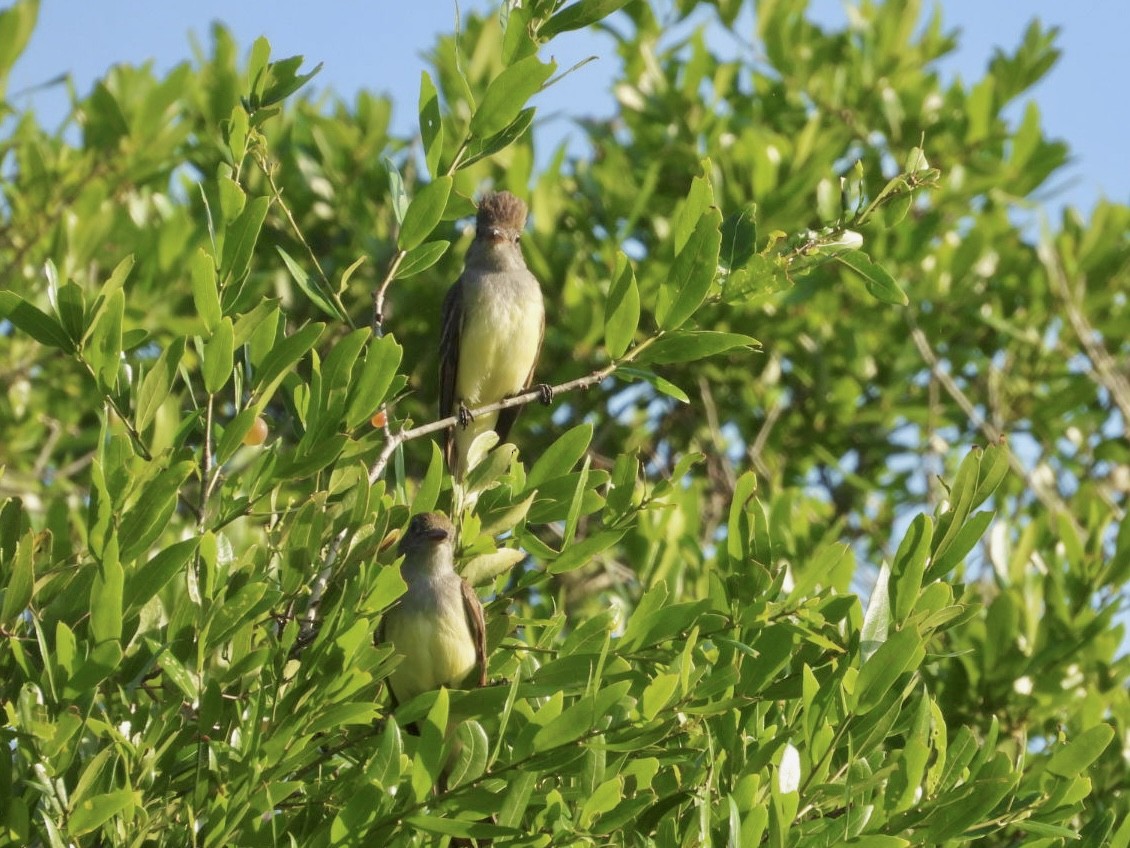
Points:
(1104, 370)
(1047, 496)
(589, 380)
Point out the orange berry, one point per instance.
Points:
(257, 434)
(379, 419)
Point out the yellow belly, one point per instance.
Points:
(498, 350)
(498, 347)
(437, 652)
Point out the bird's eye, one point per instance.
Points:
(517, 239)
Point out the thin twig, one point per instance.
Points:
(1104, 370)
(716, 436)
(379, 293)
(585, 382)
(1047, 496)
(755, 450)
(327, 286)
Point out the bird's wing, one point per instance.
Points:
(452, 324)
(507, 417)
(474, 609)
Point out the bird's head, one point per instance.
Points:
(427, 531)
(501, 218)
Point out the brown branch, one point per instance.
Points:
(1047, 496)
(1104, 370)
(589, 380)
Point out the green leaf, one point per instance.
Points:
(739, 238)
(560, 457)
(1076, 757)
(879, 283)
(657, 694)
(240, 238)
(910, 565)
(105, 349)
(761, 276)
(148, 518)
(992, 468)
(233, 433)
(17, 23)
(486, 567)
(34, 321)
(371, 386)
(604, 799)
(338, 366)
(157, 384)
(428, 762)
(622, 309)
(283, 79)
(109, 290)
(424, 213)
(962, 543)
(577, 719)
(428, 493)
(71, 306)
(284, 356)
(580, 553)
(696, 204)
(578, 16)
(311, 288)
(21, 581)
(421, 258)
(153, 576)
(106, 596)
(692, 273)
(661, 384)
(689, 345)
(219, 353)
(91, 813)
(481, 148)
(507, 95)
(397, 194)
(103, 124)
(877, 618)
(879, 673)
(431, 124)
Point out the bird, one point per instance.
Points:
(437, 625)
(492, 329)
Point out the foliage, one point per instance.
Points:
(934, 423)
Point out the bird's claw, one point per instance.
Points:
(464, 415)
(545, 393)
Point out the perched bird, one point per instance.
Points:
(437, 625)
(493, 324)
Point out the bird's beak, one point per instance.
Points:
(437, 534)
(495, 234)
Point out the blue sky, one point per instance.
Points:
(377, 45)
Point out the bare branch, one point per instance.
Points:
(585, 382)
(1047, 496)
(1104, 370)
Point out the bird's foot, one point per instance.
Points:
(545, 393)
(464, 415)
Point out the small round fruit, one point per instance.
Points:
(257, 434)
(379, 419)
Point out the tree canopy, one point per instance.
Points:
(823, 541)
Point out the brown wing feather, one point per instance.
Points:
(452, 323)
(507, 417)
(474, 609)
